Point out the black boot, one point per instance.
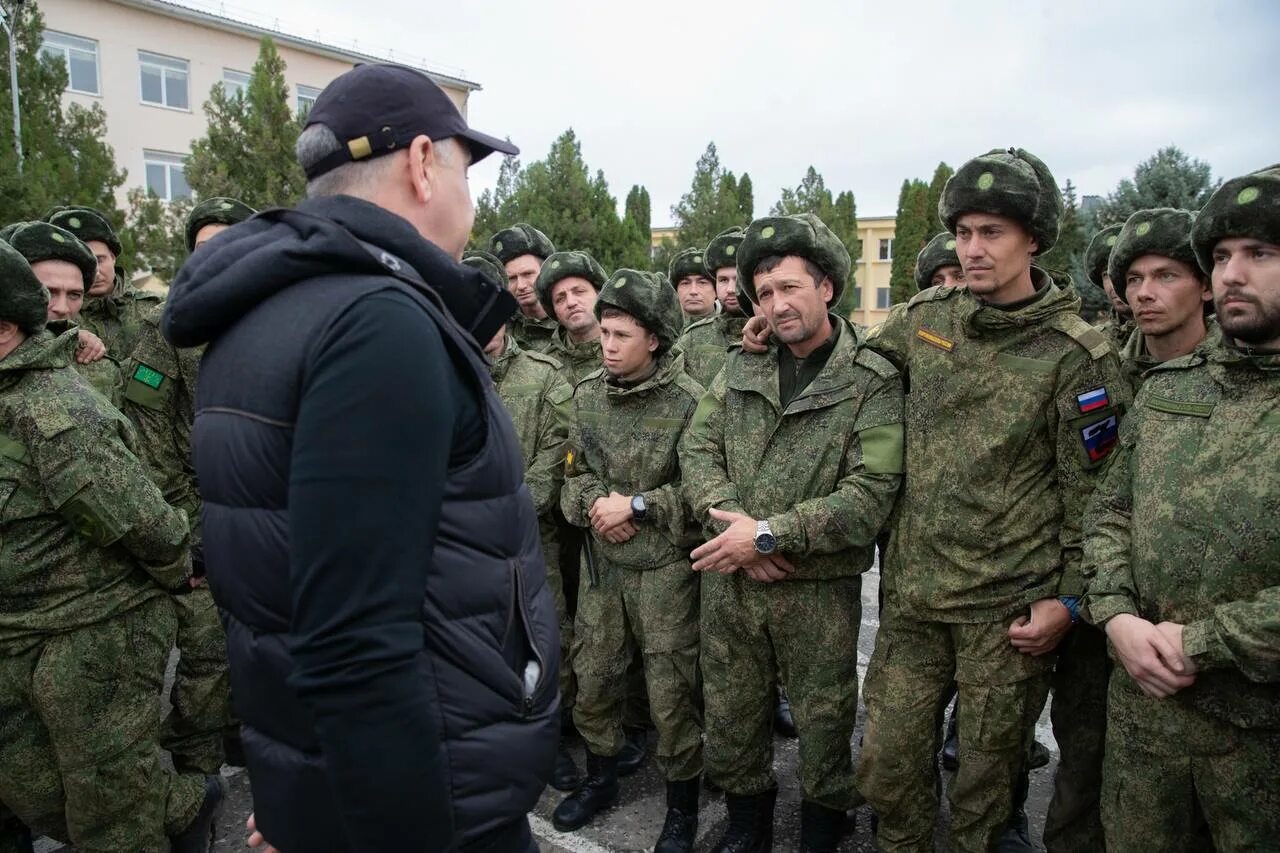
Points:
(681, 826)
(566, 777)
(1016, 837)
(634, 751)
(598, 792)
(198, 836)
(750, 823)
(820, 828)
(783, 723)
(951, 746)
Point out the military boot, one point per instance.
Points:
(198, 836)
(1016, 837)
(820, 828)
(783, 723)
(597, 792)
(681, 826)
(566, 777)
(750, 823)
(635, 748)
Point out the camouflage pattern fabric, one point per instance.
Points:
(706, 344)
(533, 334)
(79, 760)
(104, 374)
(577, 360)
(1184, 529)
(1136, 360)
(623, 439)
(118, 317)
(1117, 330)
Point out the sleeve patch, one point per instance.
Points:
(882, 451)
(148, 376)
(1099, 435)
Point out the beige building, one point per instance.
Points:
(151, 64)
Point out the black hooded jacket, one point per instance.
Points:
(368, 536)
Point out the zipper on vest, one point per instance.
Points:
(534, 673)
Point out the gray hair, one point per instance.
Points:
(358, 178)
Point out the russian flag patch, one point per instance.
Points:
(1091, 401)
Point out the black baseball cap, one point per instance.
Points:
(380, 108)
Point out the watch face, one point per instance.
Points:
(765, 543)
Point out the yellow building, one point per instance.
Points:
(150, 64)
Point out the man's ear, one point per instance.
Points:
(422, 166)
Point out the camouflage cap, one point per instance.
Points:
(1006, 182)
(23, 299)
(521, 239)
(648, 297)
(1248, 206)
(688, 262)
(1099, 251)
(562, 265)
(1162, 231)
(44, 241)
(87, 224)
(804, 235)
(215, 211)
(937, 253)
(489, 266)
(722, 251)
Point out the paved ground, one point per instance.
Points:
(634, 824)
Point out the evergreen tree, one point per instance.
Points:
(746, 200)
(1167, 179)
(1067, 254)
(911, 232)
(65, 160)
(941, 175)
(712, 203)
(248, 149)
(155, 234)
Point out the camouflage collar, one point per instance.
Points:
(980, 319)
(664, 372)
(758, 373)
(573, 351)
(42, 351)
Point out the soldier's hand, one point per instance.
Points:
(1172, 632)
(611, 512)
(255, 837)
(90, 348)
(621, 533)
(1049, 623)
(1148, 655)
(733, 548)
(755, 335)
(769, 568)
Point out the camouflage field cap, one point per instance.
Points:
(1006, 182)
(87, 224)
(1248, 206)
(937, 253)
(722, 251)
(44, 241)
(215, 211)
(1163, 231)
(804, 235)
(648, 297)
(23, 299)
(562, 265)
(1098, 253)
(489, 266)
(520, 239)
(689, 262)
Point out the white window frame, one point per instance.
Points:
(231, 77)
(306, 93)
(886, 256)
(169, 161)
(164, 63)
(884, 295)
(54, 41)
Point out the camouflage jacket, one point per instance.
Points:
(1136, 360)
(577, 361)
(159, 398)
(118, 317)
(624, 440)
(1185, 527)
(537, 398)
(1116, 330)
(1009, 416)
(84, 535)
(103, 374)
(706, 344)
(533, 335)
(823, 472)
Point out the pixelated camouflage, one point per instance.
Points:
(1137, 360)
(1099, 253)
(41, 241)
(87, 224)
(1162, 231)
(648, 298)
(722, 251)
(1006, 182)
(215, 211)
(706, 344)
(939, 252)
(118, 317)
(1248, 206)
(577, 360)
(804, 235)
(562, 265)
(103, 375)
(520, 239)
(23, 299)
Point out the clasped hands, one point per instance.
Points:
(1152, 654)
(735, 549)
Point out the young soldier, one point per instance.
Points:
(695, 285)
(567, 287)
(791, 465)
(636, 590)
(1119, 325)
(937, 264)
(705, 342)
(522, 250)
(1183, 536)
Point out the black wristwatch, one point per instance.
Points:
(766, 542)
(638, 507)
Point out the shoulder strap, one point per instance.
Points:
(1082, 333)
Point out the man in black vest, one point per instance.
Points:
(368, 535)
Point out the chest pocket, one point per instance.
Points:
(148, 387)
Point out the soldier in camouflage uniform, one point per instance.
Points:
(695, 285)
(937, 265)
(66, 267)
(791, 466)
(113, 310)
(705, 342)
(522, 250)
(1183, 540)
(1014, 404)
(159, 399)
(88, 553)
(567, 287)
(1119, 325)
(622, 484)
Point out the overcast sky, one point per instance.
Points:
(867, 92)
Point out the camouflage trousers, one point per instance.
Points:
(1177, 780)
(201, 694)
(807, 630)
(1079, 715)
(547, 528)
(655, 611)
(79, 728)
(1001, 692)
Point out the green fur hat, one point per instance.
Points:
(215, 211)
(23, 299)
(937, 253)
(722, 251)
(1098, 253)
(44, 241)
(689, 262)
(804, 235)
(1248, 206)
(1012, 183)
(87, 224)
(648, 297)
(489, 266)
(1160, 231)
(562, 265)
(520, 239)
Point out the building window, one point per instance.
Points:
(166, 175)
(235, 83)
(79, 55)
(883, 302)
(886, 249)
(306, 98)
(857, 299)
(164, 81)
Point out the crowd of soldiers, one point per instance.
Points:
(716, 458)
